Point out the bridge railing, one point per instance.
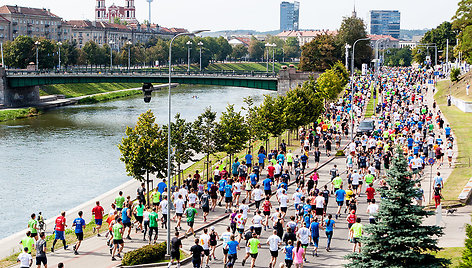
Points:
(141, 72)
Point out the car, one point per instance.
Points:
(366, 127)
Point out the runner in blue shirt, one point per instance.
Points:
(221, 188)
(261, 158)
(232, 247)
(253, 178)
(228, 197)
(315, 234)
(234, 168)
(447, 131)
(329, 225)
(267, 184)
(79, 224)
(248, 158)
(288, 250)
(340, 195)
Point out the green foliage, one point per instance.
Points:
(144, 149)
(302, 106)
(146, 254)
(341, 71)
(109, 96)
(439, 36)
(256, 49)
(224, 49)
(205, 128)
(239, 51)
(455, 74)
(463, 16)
(353, 29)
(396, 57)
(82, 89)
(271, 114)
(231, 132)
(12, 114)
(320, 54)
(465, 43)
(330, 84)
(292, 48)
(20, 52)
(467, 253)
(399, 239)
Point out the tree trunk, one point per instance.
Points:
(208, 167)
(266, 145)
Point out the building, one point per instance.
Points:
(33, 22)
(386, 43)
(240, 40)
(289, 16)
(125, 13)
(385, 22)
(304, 36)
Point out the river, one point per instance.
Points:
(69, 155)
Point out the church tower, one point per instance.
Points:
(130, 10)
(100, 11)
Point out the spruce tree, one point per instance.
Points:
(399, 239)
(467, 253)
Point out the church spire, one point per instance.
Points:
(354, 13)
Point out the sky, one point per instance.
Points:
(259, 15)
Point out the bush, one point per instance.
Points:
(340, 153)
(146, 254)
(455, 73)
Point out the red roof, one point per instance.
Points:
(27, 11)
(375, 37)
(309, 33)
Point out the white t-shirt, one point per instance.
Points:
(257, 194)
(274, 241)
(179, 205)
(304, 235)
(216, 172)
(355, 178)
(226, 236)
(146, 215)
(204, 241)
(352, 146)
(278, 169)
(279, 192)
(192, 198)
(176, 195)
(257, 220)
(237, 187)
(296, 197)
(283, 200)
(449, 152)
(25, 259)
(245, 209)
(319, 201)
(183, 192)
(164, 206)
(372, 208)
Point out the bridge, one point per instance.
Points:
(21, 88)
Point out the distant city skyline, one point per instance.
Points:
(260, 15)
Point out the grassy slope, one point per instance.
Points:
(454, 254)
(461, 124)
(458, 89)
(76, 90)
(12, 114)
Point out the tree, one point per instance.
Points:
(184, 141)
(69, 53)
(144, 149)
(319, 54)
(399, 239)
(341, 71)
(239, 51)
(439, 36)
(224, 49)
(272, 115)
(205, 128)
(158, 52)
(231, 132)
(463, 16)
(291, 48)
(466, 261)
(92, 52)
(302, 106)
(20, 52)
(352, 29)
(398, 57)
(256, 49)
(329, 84)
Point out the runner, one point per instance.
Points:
(196, 251)
(119, 201)
(254, 245)
(190, 213)
(226, 237)
(175, 246)
(179, 206)
(164, 211)
(118, 242)
(59, 230)
(98, 212)
(214, 237)
(79, 224)
(41, 251)
(288, 250)
(205, 243)
(329, 225)
(355, 233)
(126, 217)
(298, 255)
(153, 223)
(231, 248)
(315, 235)
(274, 242)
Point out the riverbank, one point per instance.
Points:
(12, 114)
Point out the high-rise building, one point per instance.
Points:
(289, 16)
(385, 22)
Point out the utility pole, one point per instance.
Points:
(447, 55)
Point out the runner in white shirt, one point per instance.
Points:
(192, 198)
(244, 208)
(179, 205)
(449, 153)
(372, 210)
(279, 192)
(303, 235)
(237, 186)
(257, 223)
(226, 237)
(257, 196)
(274, 242)
(146, 222)
(319, 204)
(283, 201)
(163, 205)
(205, 243)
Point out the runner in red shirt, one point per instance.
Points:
(59, 230)
(351, 219)
(97, 212)
(370, 191)
(266, 206)
(270, 171)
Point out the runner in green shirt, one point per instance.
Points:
(156, 198)
(190, 213)
(289, 156)
(153, 218)
(139, 212)
(117, 231)
(337, 182)
(28, 242)
(253, 244)
(369, 178)
(32, 225)
(355, 233)
(119, 201)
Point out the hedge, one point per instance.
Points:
(146, 254)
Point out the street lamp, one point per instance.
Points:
(59, 44)
(352, 83)
(200, 44)
(347, 47)
(129, 43)
(37, 43)
(268, 45)
(189, 43)
(273, 57)
(169, 129)
(111, 54)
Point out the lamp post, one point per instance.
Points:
(267, 45)
(111, 54)
(59, 44)
(189, 43)
(1, 50)
(346, 64)
(352, 83)
(37, 43)
(273, 56)
(200, 44)
(129, 43)
(169, 129)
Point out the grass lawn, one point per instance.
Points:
(12, 114)
(77, 90)
(454, 254)
(237, 66)
(458, 89)
(461, 124)
(369, 110)
(109, 96)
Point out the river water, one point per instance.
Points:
(69, 155)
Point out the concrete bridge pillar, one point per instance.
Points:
(16, 97)
(289, 78)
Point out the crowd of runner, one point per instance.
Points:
(296, 222)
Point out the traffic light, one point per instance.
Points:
(147, 90)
